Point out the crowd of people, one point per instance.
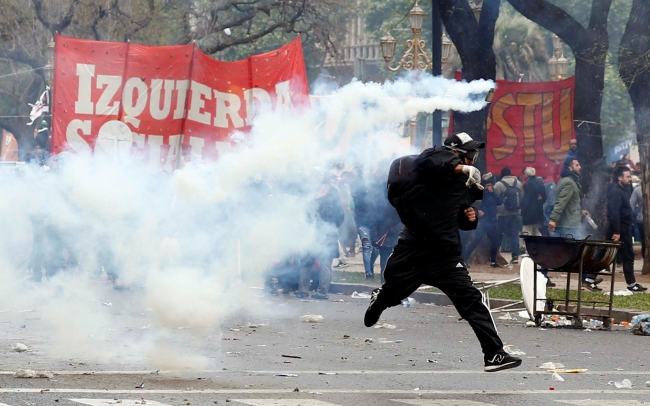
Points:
(555, 206)
(352, 204)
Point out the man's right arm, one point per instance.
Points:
(562, 199)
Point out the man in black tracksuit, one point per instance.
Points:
(620, 223)
(429, 249)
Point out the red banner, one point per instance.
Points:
(530, 124)
(168, 96)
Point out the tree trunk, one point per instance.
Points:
(589, 45)
(473, 41)
(634, 62)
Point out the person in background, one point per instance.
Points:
(510, 190)
(532, 204)
(551, 193)
(488, 224)
(348, 230)
(386, 224)
(566, 217)
(573, 150)
(363, 200)
(636, 201)
(628, 162)
(620, 223)
(329, 217)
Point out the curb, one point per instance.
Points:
(441, 299)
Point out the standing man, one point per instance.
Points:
(532, 204)
(573, 150)
(620, 222)
(566, 217)
(488, 224)
(510, 191)
(433, 194)
(329, 217)
(636, 201)
(362, 197)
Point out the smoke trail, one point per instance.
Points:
(183, 242)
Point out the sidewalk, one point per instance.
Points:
(483, 273)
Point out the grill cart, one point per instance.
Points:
(566, 254)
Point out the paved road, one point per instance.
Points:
(238, 360)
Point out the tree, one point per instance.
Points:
(634, 68)
(474, 42)
(521, 51)
(589, 45)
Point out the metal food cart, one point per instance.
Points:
(566, 254)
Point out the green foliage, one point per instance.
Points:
(520, 48)
(617, 112)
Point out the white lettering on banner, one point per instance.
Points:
(154, 143)
(197, 103)
(283, 93)
(157, 112)
(84, 103)
(228, 104)
(75, 141)
(197, 145)
(181, 96)
(139, 139)
(174, 145)
(131, 109)
(250, 95)
(112, 84)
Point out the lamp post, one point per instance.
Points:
(558, 65)
(477, 6)
(48, 69)
(445, 48)
(415, 57)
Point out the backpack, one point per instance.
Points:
(402, 177)
(403, 187)
(511, 200)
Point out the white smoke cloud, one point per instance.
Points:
(184, 242)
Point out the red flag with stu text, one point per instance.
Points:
(530, 124)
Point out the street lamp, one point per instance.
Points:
(477, 6)
(562, 67)
(415, 57)
(445, 48)
(558, 65)
(48, 69)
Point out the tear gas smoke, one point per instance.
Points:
(183, 242)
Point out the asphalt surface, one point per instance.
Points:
(429, 358)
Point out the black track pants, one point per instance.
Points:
(412, 265)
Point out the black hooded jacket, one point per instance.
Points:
(433, 211)
(619, 210)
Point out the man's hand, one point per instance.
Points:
(474, 176)
(616, 237)
(585, 213)
(551, 226)
(480, 213)
(470, 213)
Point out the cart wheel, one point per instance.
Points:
(577, 322)
(607, 323)
(538, 320)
